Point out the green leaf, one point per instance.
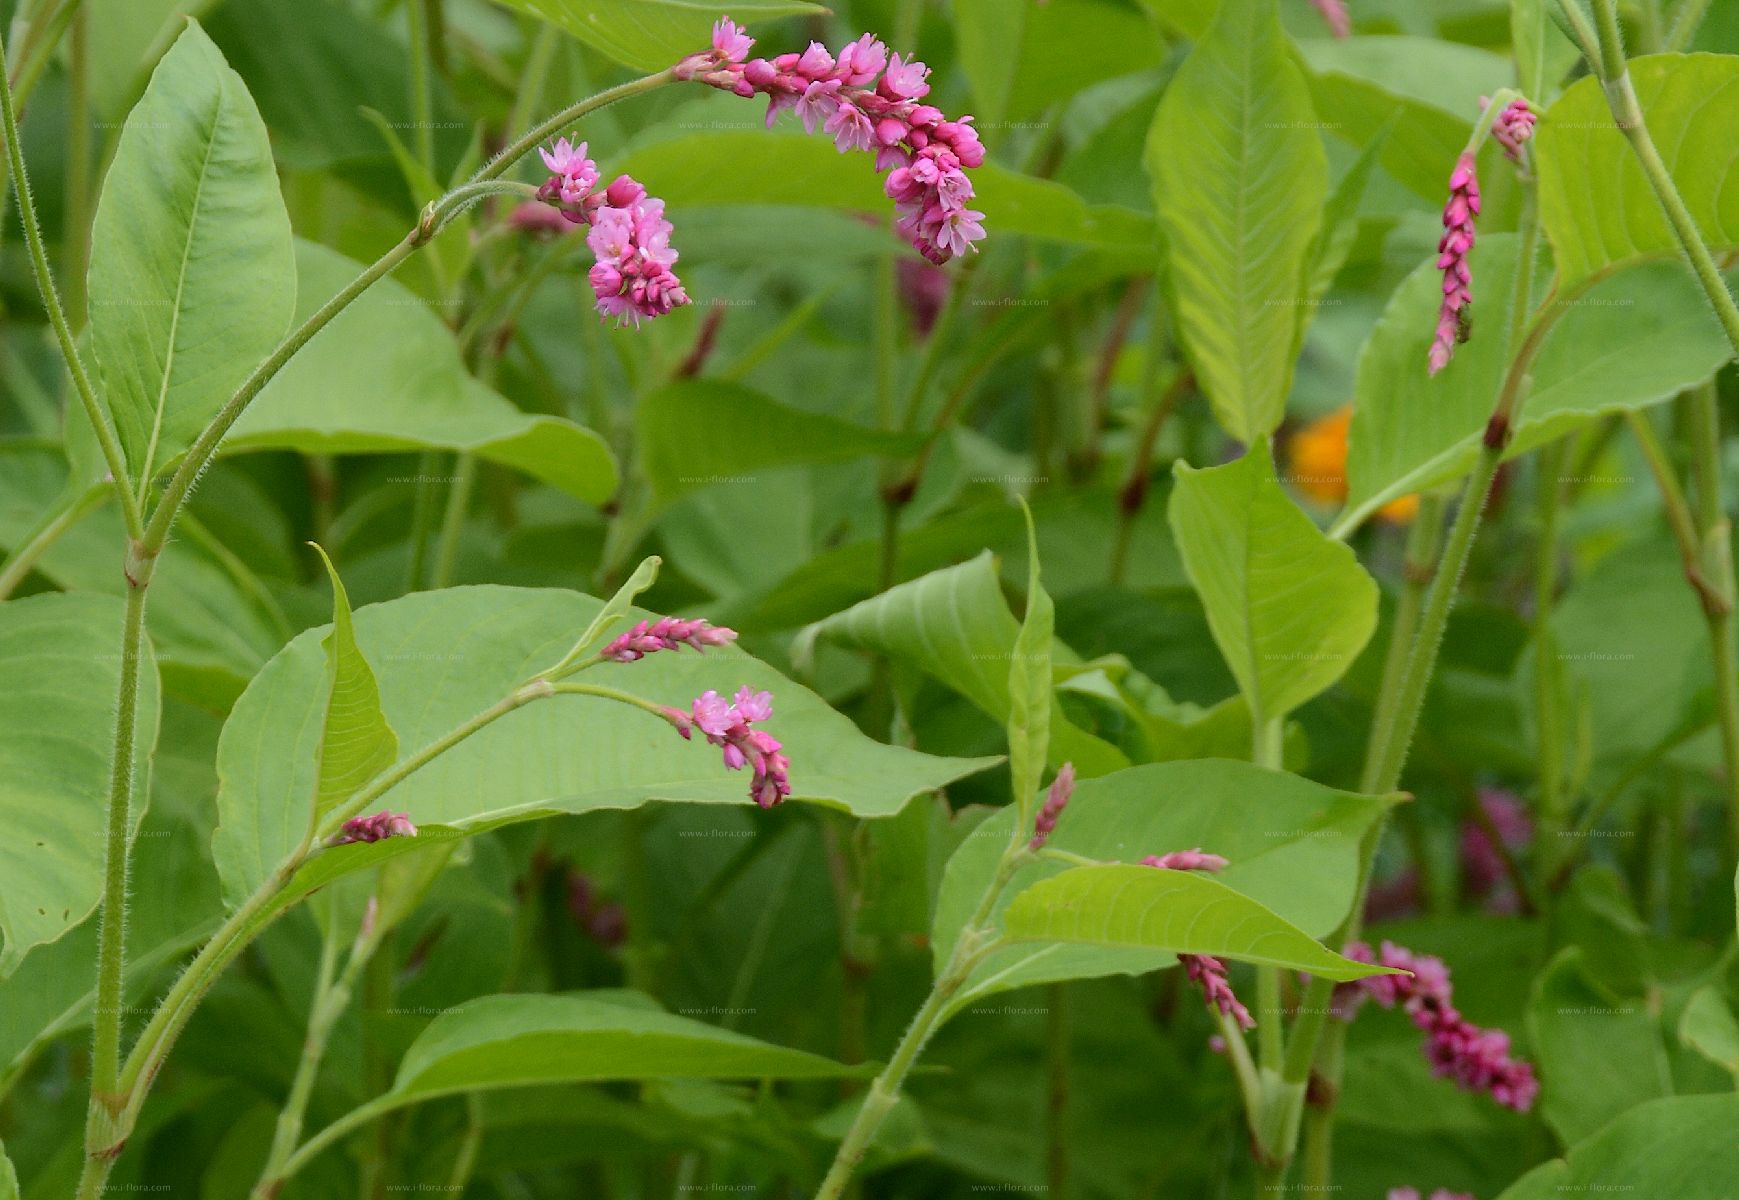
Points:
(443, 657)
(652, 34)
(1426, 89)
(1293, 847)
(1124, 907)
(1708, 1026)
(755, 166)
(59, 655)
(8, 1177)
(174, 906)
(955, 625)
(356, 743)
(615, 608)
(1029, 684)
(210, 635)
(1240, 179)
(1599, 1053)
(1682, 1147)
(700, 432)
(1596, 204)
(191, 278)
(1289, 607)
(390, 348)
(1626, 342)
(990, 35)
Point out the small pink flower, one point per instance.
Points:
(816, 62)
(1334, 14)
(904, 80)
(573, 175)
(382, 825)
(1453, 252)
(666, 633)
(1062, 787)
(818, 103)
(730, 41)
(1513, 127)
(861, 61)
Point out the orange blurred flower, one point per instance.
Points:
(1317, 458)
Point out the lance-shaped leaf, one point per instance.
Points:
(650, 34)
(1681, 1146)
(59, 656)
(513, 1041)
(1596, 204)
(8, 1177)
(1293, 847)
(443, 657)
(1289, 607)
(1612, 1045)
(1239, 179)
(192, 280)
(1029, 684)
(955, 625)
(1123, 907)
(745, 432)
(386, 376)
(356, 743)
(509, 1041)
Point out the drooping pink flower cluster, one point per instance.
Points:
(1452, 255)
(1062, 787)
(1476, 1059)
(728, 724)
(1407, 1193)
(382, 825)
(630, 237)
(1204, 969)
(867, 100)
(604, 921)
(1513, 127)
(1484, 875)
(1334, 13)
(666, 633)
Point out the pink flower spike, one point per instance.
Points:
(1478, 1060)
(382, 825)
(1062, 787)
(666, 633)
(728, 725)
(867, 99)
(1335, 16)
(730, 41)
(1453, 253)
(1185, 860)
(1210, 973)
(1513, 127)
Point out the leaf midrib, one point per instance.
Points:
(147, 465)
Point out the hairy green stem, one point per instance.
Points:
(1717, 563)
(976, 939)
(106, 438)
(24, 557)
(1553, 804)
